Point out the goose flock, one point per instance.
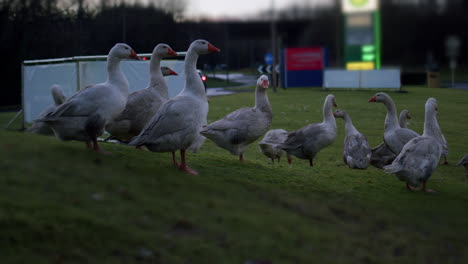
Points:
(149, 118)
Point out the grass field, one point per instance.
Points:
(62, 204)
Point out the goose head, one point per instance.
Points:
(162, 50)
(263, 82)
(379, 98)
(331, 100)
(166, 71)
(431, 106)
(57, 94)
(406, 114)
(202, 46)
(339, 113)
(123, 51)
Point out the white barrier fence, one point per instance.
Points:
(76, 73)
(373, 79)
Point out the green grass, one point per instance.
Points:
(62, 204)
(216, 83)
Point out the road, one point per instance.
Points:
(245, 80)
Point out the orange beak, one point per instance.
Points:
(171, 72)
(373, 99)
(133, 55)
(265, 84)
(212, 48)
(171, 52)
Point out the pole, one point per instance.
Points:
(273, 45)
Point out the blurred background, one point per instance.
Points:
(414, 33)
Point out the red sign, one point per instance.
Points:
(299, 59)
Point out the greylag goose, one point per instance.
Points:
(84, 116)
(59, 98)
(166, 71)
(178, 121)
(382, 155)
(420, 156)
(143, 104)
(356, 150)
(395, 137)
(404, 116)
(442, 141)
(464, 162)
(306, 142)
(270, 144)
(240, 128)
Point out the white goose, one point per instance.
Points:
(464, 162)
(306, 142)
(404, 116)
(271, 142)
(143, 104)
(442, 141)
(382, 155)
(242, 127)
(356, 150)
(178, 121)
(41, 127)
(84, 115)
(420, 156)
(395, 137)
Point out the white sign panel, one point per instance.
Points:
(359, 6)
(373, 79)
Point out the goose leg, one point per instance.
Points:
(139, 147)
(98, 148)
(311, 163)
(279, 159)
(241, 157)
(427, 190)
(183, 166)
(174, 160)
(445, 160)
(289, 160)
(411, 188)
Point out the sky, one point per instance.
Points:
(239, 8)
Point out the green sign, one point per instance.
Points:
(358, 3)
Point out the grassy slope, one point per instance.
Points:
(60, 203)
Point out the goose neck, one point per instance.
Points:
(115, 75)
(193, 83)
(431, 126)
(349, 127)
(261, 100)
(157, 81)
(391, 119)
(328, 113)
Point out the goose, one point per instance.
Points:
(240, 128)
(41, 127)
(382, 155)
(464, 162)
(420, 156)
(395, 137)
(356, 150)
(166, 71)
(442, 141)
(143, 104)
(404, 116)
(306, 142)
(270, 144)
(178, 121)
(84, 116)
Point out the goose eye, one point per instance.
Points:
(126, 48)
